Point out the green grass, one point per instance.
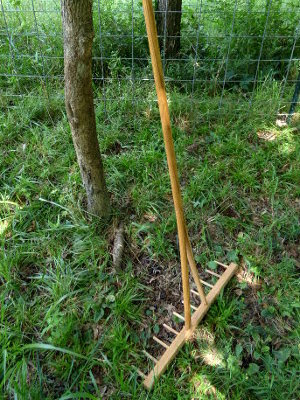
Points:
(70, 327)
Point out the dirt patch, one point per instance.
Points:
(114, 148)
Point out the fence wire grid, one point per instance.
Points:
(224, 47)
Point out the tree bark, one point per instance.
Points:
(78, 40)
(168, 25)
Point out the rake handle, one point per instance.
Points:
(169, 146)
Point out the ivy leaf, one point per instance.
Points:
(253, 369)
(232, 256)
(156, 329)
(212, 265)
(282, 355)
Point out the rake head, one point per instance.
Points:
(161, 364)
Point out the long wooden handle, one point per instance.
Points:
(169, 146)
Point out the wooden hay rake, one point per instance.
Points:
(186, 255)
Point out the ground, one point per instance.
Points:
(72, 327)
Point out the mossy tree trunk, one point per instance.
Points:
(168, 22)
(78, 40)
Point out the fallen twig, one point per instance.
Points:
(118, 247)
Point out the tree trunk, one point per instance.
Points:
(78, 40)
(168, 25)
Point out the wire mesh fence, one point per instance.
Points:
(216, 48)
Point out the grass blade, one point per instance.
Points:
(45, 346)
